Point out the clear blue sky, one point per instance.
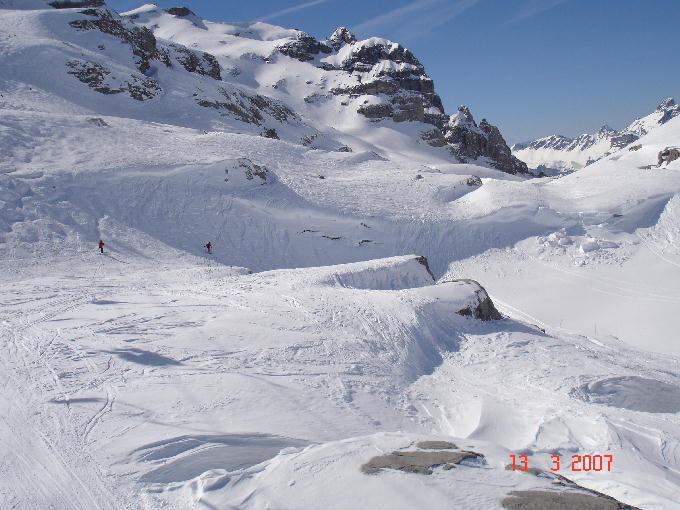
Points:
(532, 67)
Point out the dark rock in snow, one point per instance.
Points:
(180, 11)
(197, 62)
(250, 109)
(249, 170)
(436, 445)
(141, 39)
(304, 48)
(270, 133)
(668, 154)
(340, 37)
(376, 111)
(483, 309)
(468, 141)
(421, 260)
(568, 495)
(541, 500)
(416, 461)
(473, 180)
(621, 140)
(669, 108)
(96, 77)
(98, 121)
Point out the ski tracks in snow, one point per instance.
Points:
(46, 460)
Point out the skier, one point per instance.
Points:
(209, 248)
(101, 246)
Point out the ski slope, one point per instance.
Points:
(315, 338)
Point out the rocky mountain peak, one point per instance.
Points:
(669, 109)
(468, 141)
(340, 37)
(606, 130)
(667, 104)
(464, 115)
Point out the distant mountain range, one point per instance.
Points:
(559, 154)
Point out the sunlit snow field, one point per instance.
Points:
(313, 339)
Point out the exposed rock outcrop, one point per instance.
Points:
(340, 37)
(140, 39)
(418, 461)
(424, 262)
(469, 141)
(144, 46)
(668, 154)
(403, 92)
(180, 11)
(195, 62)
(482, 307)
(100, 79)
(564, 494)
(539, 499)
(388, 69)
(247, 108)
(243, 171)
(304, 48)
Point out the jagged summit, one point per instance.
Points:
(462, 117)
(559, 153)
(667, 104)
(341, 36)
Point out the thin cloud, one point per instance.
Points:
(533, 8)
(422, 16)
(294, 8)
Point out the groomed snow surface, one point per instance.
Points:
(313, 340)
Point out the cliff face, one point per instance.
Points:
(402, 91)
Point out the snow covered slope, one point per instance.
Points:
(285, 368)
(177, 382)
(615, 269)
(560, 154)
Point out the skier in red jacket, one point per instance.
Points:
(209, 247)
(101, 246)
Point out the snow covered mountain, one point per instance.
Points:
(379, 324)
(255, 78)
(561, 154)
